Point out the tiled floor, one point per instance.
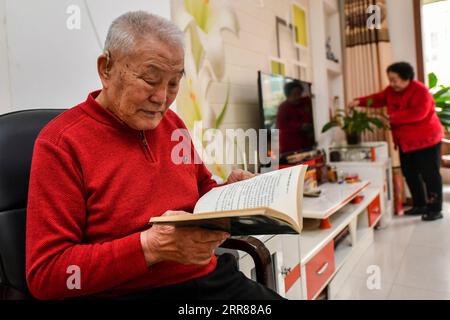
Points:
(413, 259)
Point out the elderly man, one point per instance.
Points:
(102, 169)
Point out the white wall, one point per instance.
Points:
(51, 66)
(401, 28)
(328, 77)
(250, 52)
(5, 95)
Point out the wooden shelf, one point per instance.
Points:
(312, 239)
(334, 68)
(342, 252)
(334, 197)
(379, 163)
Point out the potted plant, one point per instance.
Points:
(354, 123)
(441, 95)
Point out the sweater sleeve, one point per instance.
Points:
(379, 100)
(419, 106)
(58, 264)
(204, 181)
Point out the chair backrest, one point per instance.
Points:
(18, 132)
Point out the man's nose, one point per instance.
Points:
(159, 96)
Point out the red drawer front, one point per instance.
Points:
(374, 210)
(291, 278)
(319, 270)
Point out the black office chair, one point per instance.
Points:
(18, 132)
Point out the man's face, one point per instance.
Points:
(143, 85)
(397, 83)
(296, 94)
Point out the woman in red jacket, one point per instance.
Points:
(418, 132)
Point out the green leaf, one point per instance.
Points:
(340, 113)
(221, 116)
(442, 92)
(432, 80)
(442, 106)
(197, 49)
(200, 11)
(442, 100)
(330, 125)
(377, 122)
(445, 122)
(357, 122)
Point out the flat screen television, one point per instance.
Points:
(292, 115)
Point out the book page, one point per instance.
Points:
(279, 190)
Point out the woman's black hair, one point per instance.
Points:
(290, 86)
(403, 69)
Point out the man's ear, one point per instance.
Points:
(104, 68)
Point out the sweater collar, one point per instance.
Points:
(101, 114)
(412, 84)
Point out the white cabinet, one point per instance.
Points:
(306, 264)
(286, 264)
(378, 172)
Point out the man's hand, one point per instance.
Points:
(183, 245)
(239, 175)
(353, 104)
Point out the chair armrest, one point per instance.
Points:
(260, 254)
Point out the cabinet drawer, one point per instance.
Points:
(374, 211)
(319, 270)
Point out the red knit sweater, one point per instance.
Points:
(414, 122)
(94, 186)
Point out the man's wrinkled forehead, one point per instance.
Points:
(158, 56)
(154, 66)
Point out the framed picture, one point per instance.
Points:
(300, 26)
(301, 71)
(277, 66)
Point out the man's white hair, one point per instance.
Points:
(128, 28)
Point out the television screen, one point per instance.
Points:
(286, 105)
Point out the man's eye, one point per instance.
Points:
(150, 82)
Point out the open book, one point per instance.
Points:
(267, 204)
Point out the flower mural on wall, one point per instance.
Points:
(203, 22)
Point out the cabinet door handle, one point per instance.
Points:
(322, 270)
(285, 271)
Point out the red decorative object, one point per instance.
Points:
(325, 224)
(358, 199)
(374, 211)
(373, 154)
(398, 193)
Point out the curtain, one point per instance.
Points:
(368, 53)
